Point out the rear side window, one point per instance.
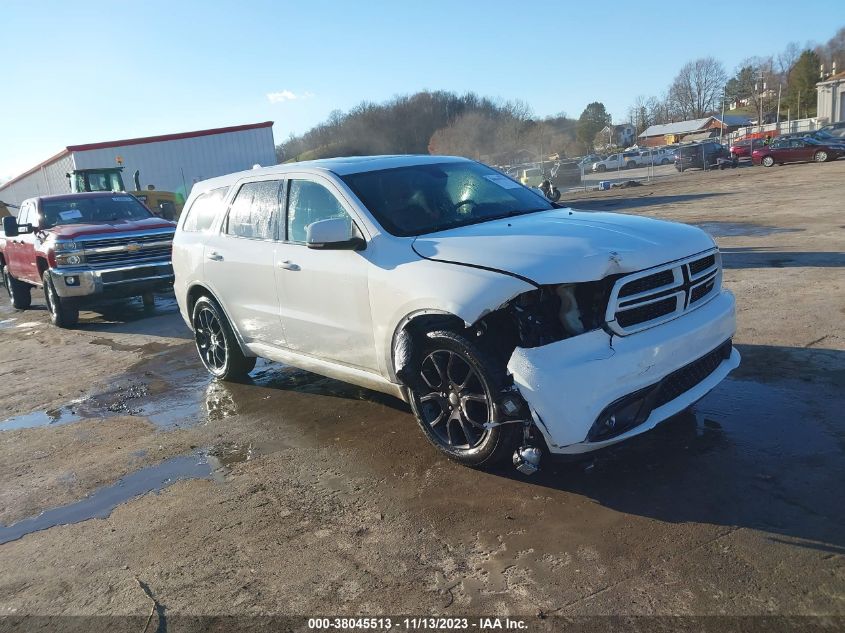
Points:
(204, 209)
(254, 210)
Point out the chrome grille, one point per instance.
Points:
(127, 249)
(650, 297)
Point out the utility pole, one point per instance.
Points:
(780, 85)
(722, 121)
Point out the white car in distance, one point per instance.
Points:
(508, 323)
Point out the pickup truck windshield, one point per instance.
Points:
(428, 198)
(94, 210)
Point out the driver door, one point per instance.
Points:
(323, 294)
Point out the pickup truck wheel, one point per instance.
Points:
(20, 293)
(453, 395)
(216, 343)
(63, 312)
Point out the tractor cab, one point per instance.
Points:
(104, 179)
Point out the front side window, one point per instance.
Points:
(94, 210)
(204, 209)
(310, 202)
(434, 197)
(254, 210)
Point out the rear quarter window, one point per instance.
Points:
(205, 207)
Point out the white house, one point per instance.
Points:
(831, 99)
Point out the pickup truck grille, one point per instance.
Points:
(127, 249)
(651, 297)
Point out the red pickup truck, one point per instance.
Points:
(82, 246)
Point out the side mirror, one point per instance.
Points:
(335, 234)
(10, 226)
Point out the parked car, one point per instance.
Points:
(796, 150)
(834, 129)
(531, 176)
(587, 162)
(84, 246)
(489, 309)
(565, 173)
(655, 157)
(818, 135)
(701, 155)
(626, 160)
(744, 147)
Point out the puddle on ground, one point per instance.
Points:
(214, 464)
(740, 229)
(52, 417)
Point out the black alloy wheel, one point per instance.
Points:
(453, 390)
(216, 343)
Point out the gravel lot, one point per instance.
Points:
(296, 494)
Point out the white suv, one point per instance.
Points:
(505, 321)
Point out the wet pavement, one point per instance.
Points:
(295, 493)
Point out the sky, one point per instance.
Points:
(85, 72)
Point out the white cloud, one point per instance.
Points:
(287, 95)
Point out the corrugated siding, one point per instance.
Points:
(177, 164)
(49, 179)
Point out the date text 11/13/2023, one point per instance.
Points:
(417, 623)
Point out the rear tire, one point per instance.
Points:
(821, 156)
(20, 293)
(64, 312)
(216, 343)
(454, 388)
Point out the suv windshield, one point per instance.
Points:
(93, 210)
(428, 198)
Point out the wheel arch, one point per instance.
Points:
(42, 265)
(198, 290)
(408, 331)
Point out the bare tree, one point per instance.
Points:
(697, 89)
(638, 113)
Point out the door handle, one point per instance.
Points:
(215, 257)
(287, 265)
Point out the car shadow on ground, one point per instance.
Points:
(765, 257)
(765, 450)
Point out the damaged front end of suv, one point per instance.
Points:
(592, 363)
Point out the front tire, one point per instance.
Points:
(820, 156)
(216, 343)
(20, 293)
(453, 389)
(63, 311)
(601, 169)
(768, 161)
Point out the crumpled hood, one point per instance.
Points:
(563, 245)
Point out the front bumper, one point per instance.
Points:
(81, 281)
(571, 383)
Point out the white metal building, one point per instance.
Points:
(171, 162)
